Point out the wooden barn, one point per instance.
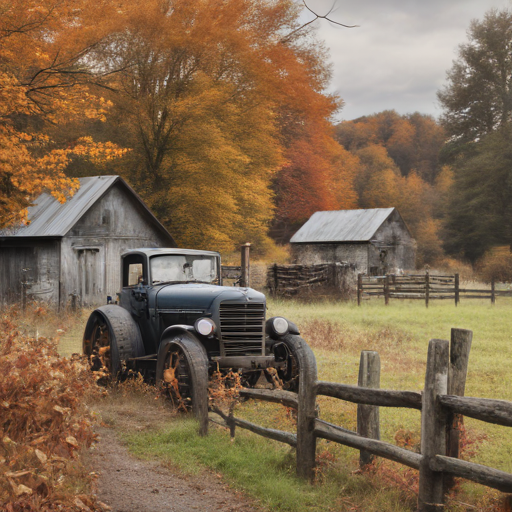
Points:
(71, 252)
(375, 240)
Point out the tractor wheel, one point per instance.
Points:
(289, 375)
(182, 370)
(177, 379)
(111, 337)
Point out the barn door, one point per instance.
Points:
(91, 277)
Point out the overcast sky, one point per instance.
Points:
(399, 55)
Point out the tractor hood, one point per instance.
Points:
(202, 296)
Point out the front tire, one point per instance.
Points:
(289, 375)
(182, 369)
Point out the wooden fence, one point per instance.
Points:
(442, 405)
(425, 287)
(291, 280)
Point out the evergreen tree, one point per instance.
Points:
(480, 206)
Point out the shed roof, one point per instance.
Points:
(49, 218)
(342, 226)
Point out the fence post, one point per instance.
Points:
(427, 288)
(368, 415)
(460, 345)
(244, 258)
(433, 426)
(457, 289)
(231, 423)
(306, 439)
(493, 291)
(386, 290)
(359, 288)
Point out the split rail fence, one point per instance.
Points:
(425, 287)
(442, 405)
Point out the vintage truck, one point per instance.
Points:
(176, 324)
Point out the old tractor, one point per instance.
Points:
(176, 324)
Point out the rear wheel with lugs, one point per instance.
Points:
(111, 337)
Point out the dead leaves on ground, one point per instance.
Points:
(43, 426)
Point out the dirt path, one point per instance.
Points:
(128, 484)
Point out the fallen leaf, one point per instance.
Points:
(72, 441)
(41, 456)
(23, 489)
(81, 505)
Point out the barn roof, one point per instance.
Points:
(342, 226)
(49, 218)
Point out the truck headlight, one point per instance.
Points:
(277, 326)
(205, 326)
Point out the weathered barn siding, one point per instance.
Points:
(37, 265)
(316, 253)
(91, 251)
(400, 248)
(375, 241)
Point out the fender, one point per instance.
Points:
(184, 333)
(292, 329)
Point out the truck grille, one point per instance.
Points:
(242, 328)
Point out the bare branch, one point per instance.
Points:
(325, 17)
(317, 16)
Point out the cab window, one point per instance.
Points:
(133, 270)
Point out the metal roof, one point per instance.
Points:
(49, 218)
(342, 226)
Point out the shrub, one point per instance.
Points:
(496, 265)
(44, 424)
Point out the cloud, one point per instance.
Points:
(398, 57)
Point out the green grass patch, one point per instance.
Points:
(337, 332)
(263, 468)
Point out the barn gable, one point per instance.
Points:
(73, 249)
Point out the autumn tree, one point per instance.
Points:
(477, 99)
(44, 80)
(217, 100)
(413, 141)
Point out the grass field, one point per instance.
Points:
(337, 333)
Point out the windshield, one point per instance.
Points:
(184, 268)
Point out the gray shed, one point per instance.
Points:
(74, 248)
(374, 240)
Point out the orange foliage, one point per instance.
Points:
(223, 103)
(43, 423)
(413, 141)
(44, 79)
(318, 176)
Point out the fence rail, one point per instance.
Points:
(425, 287)
(292, 280)
(442, 404)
